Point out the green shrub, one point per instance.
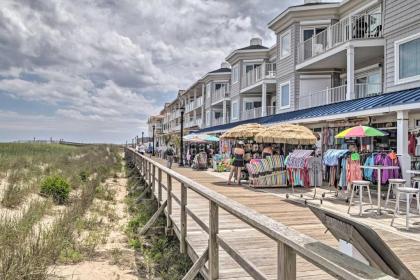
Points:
(57, 188)
(83, 176)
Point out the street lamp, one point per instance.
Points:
(181, 162)
(142, 137)
(153, 140)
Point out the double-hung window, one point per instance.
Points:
(235, 111)
(285, 44)
(235, 74)
(407, 59)
(284, 95)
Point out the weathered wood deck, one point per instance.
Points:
(256, 247)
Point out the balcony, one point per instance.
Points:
(217, 121)
(221, 93)
(257, 113)
(362, 27)
(338, 94)
(259, 73)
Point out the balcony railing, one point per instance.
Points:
(217, 121)
(362, 27)
(198, 102)
(271, 110)
(252, 113)
(263, 71)
(221, 93)
(338, 94)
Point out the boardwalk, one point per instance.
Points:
(256, 247)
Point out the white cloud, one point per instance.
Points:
(103, 61)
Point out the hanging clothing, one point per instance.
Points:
(412, 143)
(354, 172)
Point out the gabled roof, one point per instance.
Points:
(220, 70)
(253, 47)
(387, 101)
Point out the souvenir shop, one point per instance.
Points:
(299, 168)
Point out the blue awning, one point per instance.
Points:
(403, 97)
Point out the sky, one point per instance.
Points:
(94, 70)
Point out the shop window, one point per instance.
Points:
(407, 59)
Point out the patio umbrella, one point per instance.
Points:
(286, 134)
(244, 131)
(210, 138)
(360, 131)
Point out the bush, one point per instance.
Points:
(57, 188)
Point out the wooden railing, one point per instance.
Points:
(289, 242)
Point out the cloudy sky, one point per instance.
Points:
(93, 70)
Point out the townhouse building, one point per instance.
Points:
(334, 64)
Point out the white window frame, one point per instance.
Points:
(235, 74)
(287, 33)
(397, 45)
(235, 115)
(281, 106)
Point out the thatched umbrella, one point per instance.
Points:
(286, 134)
(245, 131)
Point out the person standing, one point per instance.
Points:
(238, 162)
(169, 153)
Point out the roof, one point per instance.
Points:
(312, 4)
(388, 100)
(220, 70)
(253, 47)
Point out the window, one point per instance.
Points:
(285, 95)
(285, 41)
(235, 74)
(249, 105)
(407, 59)
(235, 110)
(310, 32)
(208, 90)
(217, 115)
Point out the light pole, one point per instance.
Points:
(181, 149)
(142, 137)
(153, 140)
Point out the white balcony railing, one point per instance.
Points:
(356, 27)
(198, 102)
(338, 94)
(263, 71)
(221, 93)
(251, 114)
(271, 110)
(366, 90)
(217, 121)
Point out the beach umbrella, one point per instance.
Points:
(286, 134)
(244, 131)
(360, 131)
(210, 138)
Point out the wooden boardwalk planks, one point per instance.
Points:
(256, 247)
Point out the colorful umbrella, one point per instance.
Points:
(360, 131)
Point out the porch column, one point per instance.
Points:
(264, 100)
(211, 117)
(202, 107)
(224, 111)
(350, 73)
(402, 142)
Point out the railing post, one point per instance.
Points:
(153, 180)
(159, 186)
(213, 243)
(169, 205)
(286, 266)
(183, 219)
(149, 172)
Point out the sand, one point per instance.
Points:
(114, 259)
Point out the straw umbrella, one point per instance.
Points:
(244, 131)
(287, 134)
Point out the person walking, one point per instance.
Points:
(169, 153)
(238, 163)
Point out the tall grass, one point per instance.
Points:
(28, 247)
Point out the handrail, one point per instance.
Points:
(289, 240)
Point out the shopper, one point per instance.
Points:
(169, 153)
(238, 162)
(267, 151)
